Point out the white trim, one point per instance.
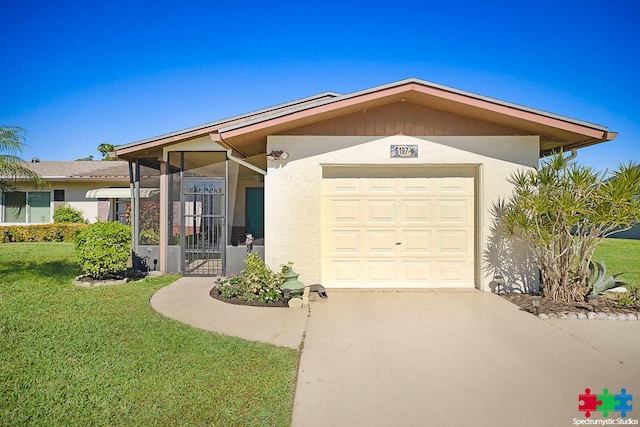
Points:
(120, 193)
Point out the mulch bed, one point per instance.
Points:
(215, 293)
(606, 304)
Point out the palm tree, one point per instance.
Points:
(12, 167)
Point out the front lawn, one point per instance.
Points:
(101, 356)
(621, 256)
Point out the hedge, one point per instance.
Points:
(40, 232)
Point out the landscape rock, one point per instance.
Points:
(582, 316)
(81, 281)
(295, 303)
(543, 316)
(618, 290)
(591, 315)
(572, 316)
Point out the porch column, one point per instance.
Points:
(164, 216)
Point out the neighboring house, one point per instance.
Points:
(84, 185)
(387, 187)
(632, 233)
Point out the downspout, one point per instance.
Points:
(573, 155)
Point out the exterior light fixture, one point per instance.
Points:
(278, 155)
(536, 303)
(594, 299)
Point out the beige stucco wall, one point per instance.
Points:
(292, 186)
(74, 194)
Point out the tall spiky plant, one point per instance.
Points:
(563, 211)
(12, 167)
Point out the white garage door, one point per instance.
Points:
(397, 227)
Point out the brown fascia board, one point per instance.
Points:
(413, 89)
(608, 136)
(198, 131)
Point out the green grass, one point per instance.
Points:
(621, 255)
(101, 356)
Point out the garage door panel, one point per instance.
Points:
(343, 212)
(420, 186)
(379, 185)
(414, 242)
(454, 272)
(454, 242)
(380, 271)
(341, 186)
(343, 272)
(380, 242)
(454, 185)
(382, 212)
(454, 211)
(416, 271)
(412, 211)
(415, 231)
(341, 242)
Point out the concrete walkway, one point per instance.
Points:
(188, 301)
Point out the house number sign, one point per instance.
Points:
(404, 151)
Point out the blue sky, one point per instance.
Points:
(76, 74)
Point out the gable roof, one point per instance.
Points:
(246, 134)
(198, 131)
(80, 170)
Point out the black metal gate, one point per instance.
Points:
(203, 230)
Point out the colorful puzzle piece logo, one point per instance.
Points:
(605, 402)
(623, 402)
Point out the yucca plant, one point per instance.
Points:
(562, 211)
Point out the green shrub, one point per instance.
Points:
(632, 298)
(40, 232)
(65, 214)
(625, 301)
(103, 248)
(257, 282)
(231, 286)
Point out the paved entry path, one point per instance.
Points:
(188, 301)
(444, 358)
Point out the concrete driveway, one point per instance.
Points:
(445, 358)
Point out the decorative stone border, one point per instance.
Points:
(589, 316)
(78, 282)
